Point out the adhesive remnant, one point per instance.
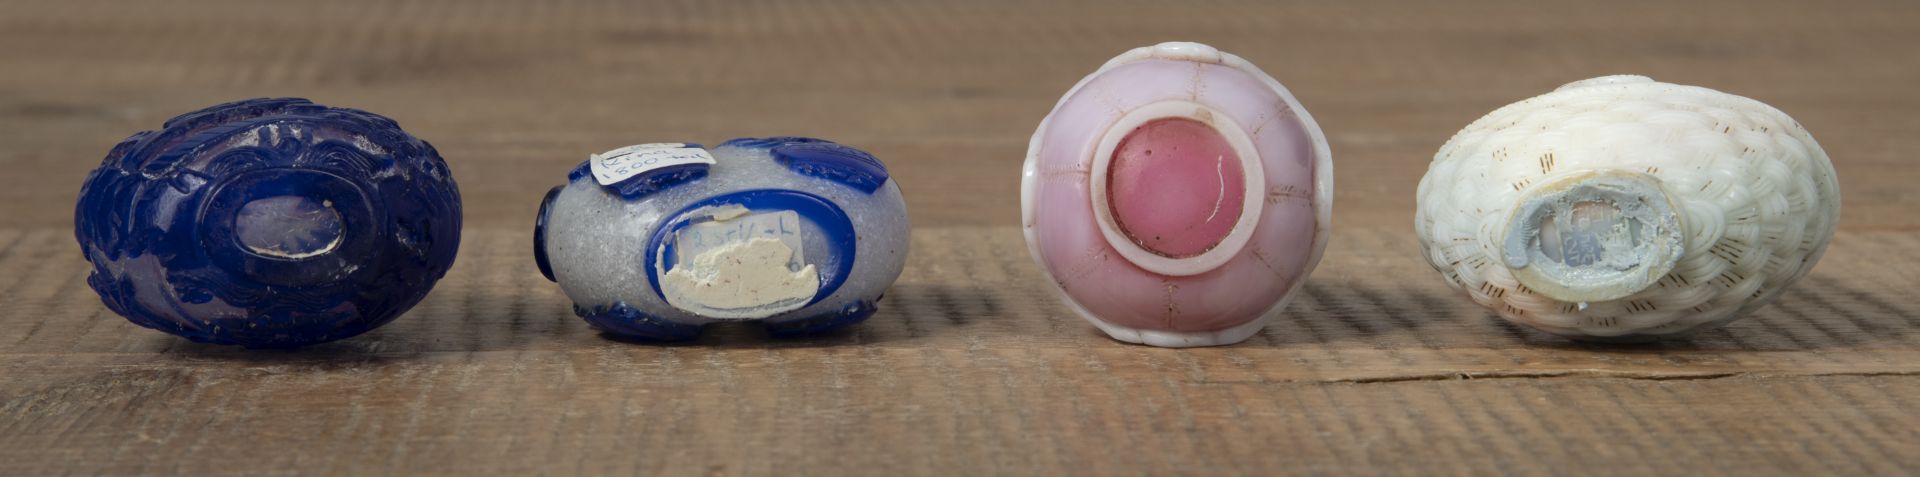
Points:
(740, 266)
(1593, 237)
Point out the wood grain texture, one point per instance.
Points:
(971, 367)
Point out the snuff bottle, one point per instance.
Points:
(654, 241)
(268, 223)
(1621, 208)
(1178, 196)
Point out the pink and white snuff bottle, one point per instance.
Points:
(1178, 196)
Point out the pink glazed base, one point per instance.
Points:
(1166, 198)
(1183, 201)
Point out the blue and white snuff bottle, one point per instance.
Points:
(654, 241)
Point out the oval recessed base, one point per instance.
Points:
(1593, 236)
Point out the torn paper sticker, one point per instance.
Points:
(740, 266)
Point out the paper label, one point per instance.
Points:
(613, 166)
(701, 237)
(740, 266)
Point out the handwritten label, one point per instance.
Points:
(701, 237)
(620, 164)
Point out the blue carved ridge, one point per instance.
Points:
(768, 142)
(540, 233)
(852, 167)
(627, 321)
(821, 158)
(645, 183)
(849, 315)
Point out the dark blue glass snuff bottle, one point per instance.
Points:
(268, 223)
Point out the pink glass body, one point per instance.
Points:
(1176, 190)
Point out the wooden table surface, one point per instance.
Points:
(971, 367)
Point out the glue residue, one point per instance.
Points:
(740, 265)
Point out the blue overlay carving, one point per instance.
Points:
(834, 162)
(540, 234)
(851, 314)
(629, 322)
(645, 183)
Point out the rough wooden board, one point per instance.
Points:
(971, 367)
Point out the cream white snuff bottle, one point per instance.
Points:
(1620, 208)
